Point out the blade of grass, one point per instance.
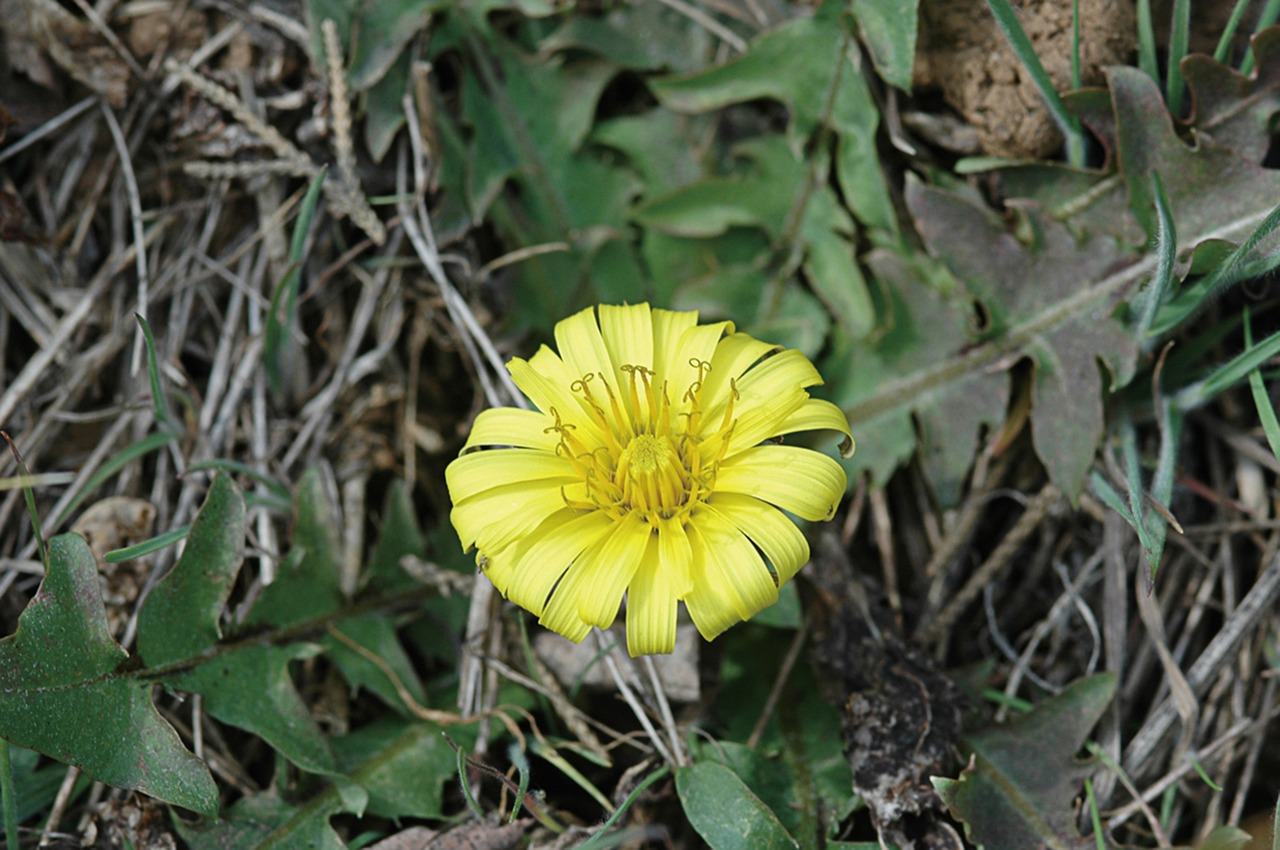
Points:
(146, 547)
(1075, 45)
(1178, 36)
(1170, 421)
(31, 501)
(597, 838)
(1262, 401)
(145, 446)
(277, 489)
(1231, 270)
(164, 420)
(1229, 32)
(1147, 42)
(284, 301)
(1017, 38)
(1153, 296)
(1228, 374)
(522, 766)
(1104, 491)
(1133, 474)
(549, 754)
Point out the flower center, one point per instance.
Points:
(656, 459)
(651, 476)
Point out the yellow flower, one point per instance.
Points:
(650, 467)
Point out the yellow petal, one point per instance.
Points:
(675, 555)
(817, 415)
(555, 395)
(591, 591)
(668, 328)
(475, 472)
(496, 517)
(582, 347)
(767, 381)
(548, 551)
(511, 426)
(734, 355)
(782, 543)
(628, 334)
(651, 607)
(730, 581)
(696, 345)
(805, 482)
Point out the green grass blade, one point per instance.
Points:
(145, 446)
(1228, 374)
(163, 419)
(1017, 38)
(31, 501)
(275, 487)
(597, 839)
(1261, 400)
(1133, 476)
(517, 757)
(1076, 79)
(146, 547)
(1166, 249)
(1232, 270)
(1178, 37)
(1147, 41)
(284, 301)
(1229, 32)
(1103, 490)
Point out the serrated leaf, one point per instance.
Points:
(530, 132)
(377, 635)
(1019, 789)
(1039, 308)
(888, 29)
(62, 666)
(726, 813)
(180, 618)
(265, 820)
(1235, 110)
(638, 36)
(249, 687)
(821, 87)
(766, 196)
(402, 766)
(311, 586)
(924, 327)
(1210, 187)
(399, 535)
(375, 33)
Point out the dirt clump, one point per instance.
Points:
(962, 51)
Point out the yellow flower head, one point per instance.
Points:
(650, 468)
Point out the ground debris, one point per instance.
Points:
(899, 717)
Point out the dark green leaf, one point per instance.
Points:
(250, 688)
(1019, 790)
(726, 813)
(180, 619)
(60, 668)
(888, 29)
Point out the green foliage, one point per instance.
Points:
(1019, 788)
(725, 812)
(46, 695)
(244, 677)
